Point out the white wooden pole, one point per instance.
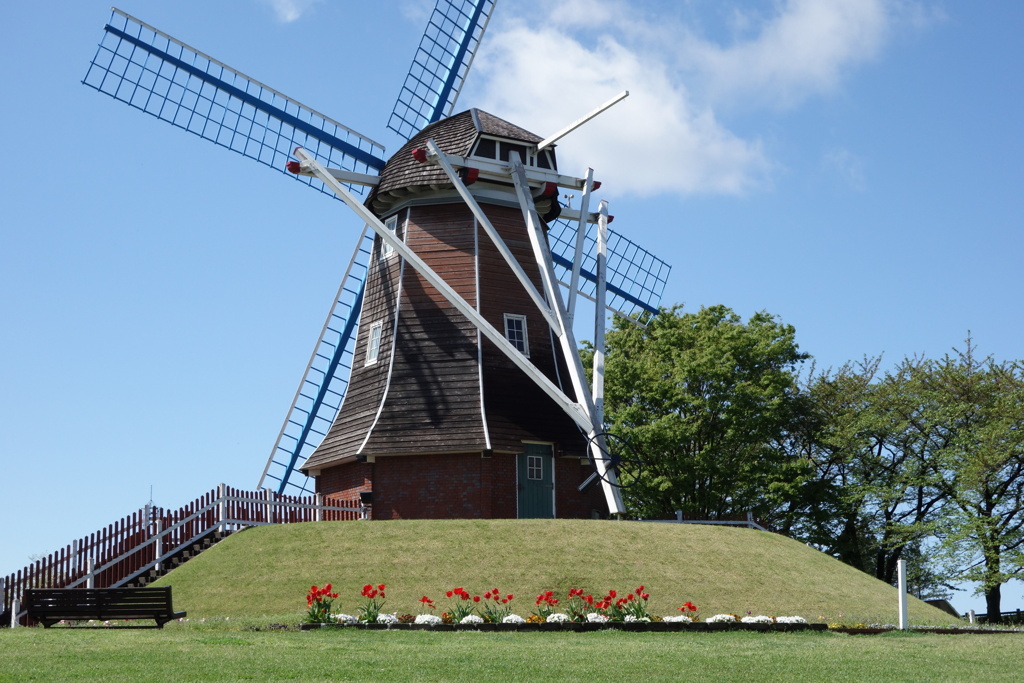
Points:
(159, 543)
(90, 575)
(599, 312)
(319, 498)
(570, 351)
(580, 121)
(901, 571)
(15, 608)
(970, 616)
(269, 496)
(221, 508)
(581, 235)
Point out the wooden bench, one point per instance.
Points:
(49, 606)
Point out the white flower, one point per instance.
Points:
(387, 618)
(596, 618)
(721, 619)
(558, 618)
(346, 618)
(678, 619)
(513, 619)
(791, 620)
(472, 619)
(759, 619)
(630, 619)
(429, 619)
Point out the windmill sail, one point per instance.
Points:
(440, 65)
(636, 277)
(323, 385)
(151, 71)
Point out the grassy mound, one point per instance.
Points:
(266, 571)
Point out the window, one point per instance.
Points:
(489, 148)
(373, 344)
(386, 249)
(515, 332)
(507, 147)
(486, 148)
(534, 467)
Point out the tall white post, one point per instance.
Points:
(901, 571)
(90, 575)
(600, 315)
(269, 495)
(221, 508)
(319, 499)
(15, 608)
(159, 543)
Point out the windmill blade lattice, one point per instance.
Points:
(636, 277)
(151, 71)
(440, 65)
(324, 384)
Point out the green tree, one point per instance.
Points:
(707, 402)
(973, 413)
(884, 499)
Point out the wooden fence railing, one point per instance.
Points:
(1012, 617)
(149, 537)
(748, 521)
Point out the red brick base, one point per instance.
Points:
(455, 486)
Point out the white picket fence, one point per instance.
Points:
(148, 538)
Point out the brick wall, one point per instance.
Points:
(454, 486)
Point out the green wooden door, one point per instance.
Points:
(536, 482)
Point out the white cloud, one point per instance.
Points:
(655, 141)
(291, 10)
(803, 49)
(555, 61)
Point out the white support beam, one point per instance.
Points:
(498, 171)
(599, 314)
(579, 122)
(581, 415)
(581, 234)
(488, 227)
(347, 177)
(612, 494)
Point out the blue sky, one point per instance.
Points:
(851, 166)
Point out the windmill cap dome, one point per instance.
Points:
(402, 175)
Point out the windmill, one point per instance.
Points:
(147, 69)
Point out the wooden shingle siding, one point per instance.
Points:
(367, 383)
(433, 402)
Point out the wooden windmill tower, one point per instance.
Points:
(437, 422)
(466, 396)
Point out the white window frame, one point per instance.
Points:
(373, 342)
(386, 250)
(535, 465)
(514, 318)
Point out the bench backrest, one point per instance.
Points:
(105, 603)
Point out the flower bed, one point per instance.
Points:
(493, 612)
(644, 626)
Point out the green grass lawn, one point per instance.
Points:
(191, 652)
(259, 577)
(267, 570)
